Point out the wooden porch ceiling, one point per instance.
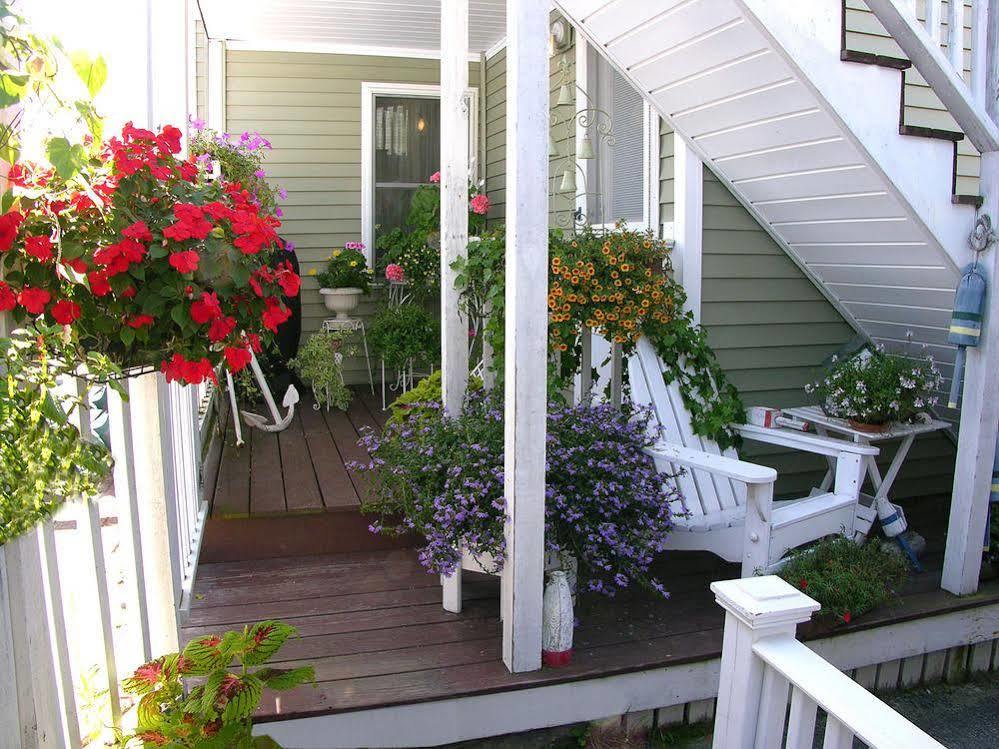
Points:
(406, 24)
(373, 626)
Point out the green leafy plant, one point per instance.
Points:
(403, 333)
(346, 269)
(320, 363)
(411, 405)
(418, 255)
(847, 578)
(878, 387)
(217, 712)
(43, 458)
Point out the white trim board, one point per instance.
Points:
(277, 45)
(479, 716)
(370, 90)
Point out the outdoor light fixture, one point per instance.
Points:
(585, 148)
(421, 124)
(561, 34)
(568, 180)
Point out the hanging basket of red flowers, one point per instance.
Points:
(144, 258)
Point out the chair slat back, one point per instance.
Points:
(716, 493)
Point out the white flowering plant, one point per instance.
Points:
(878, 387)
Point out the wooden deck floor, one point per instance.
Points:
(301, 469)
(373, 626)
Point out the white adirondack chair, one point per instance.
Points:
(727, 504)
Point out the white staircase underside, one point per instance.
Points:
(808, 143)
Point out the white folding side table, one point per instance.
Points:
(907, 433)
(352, 325)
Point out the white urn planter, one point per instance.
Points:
(341, 301)
(557, 622)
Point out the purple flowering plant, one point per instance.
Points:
(604, 501)
(240, 159)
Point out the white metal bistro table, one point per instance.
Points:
(907, 433)
(352, 325)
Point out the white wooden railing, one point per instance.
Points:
(762, 660)
(935, 45)
(95, 591)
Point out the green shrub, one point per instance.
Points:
(412, 404)
(317, 364)
(846, 578)
(405, 332)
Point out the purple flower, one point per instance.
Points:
(260, 174)
(282, 193)
(197, 123)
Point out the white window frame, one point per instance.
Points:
(369, 92)
(650, 150)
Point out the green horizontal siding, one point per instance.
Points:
(864, 33)
(309, 106)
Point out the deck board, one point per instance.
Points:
(301, 488)
(232, 487)
(266, 482)
(301, 469)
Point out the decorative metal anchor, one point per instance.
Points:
(290, 400)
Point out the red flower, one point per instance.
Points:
(236, 358)
(218, 210)
(99, 285)
(128, 293)
(289, 280)
(140, 321)
(803, 584)
(220, 329)
(191, 372)
(39, 248)
(847, 617)
(185, 262)
(138, 231)
(7, 298)
(205, 309)
(65, 312)
(78, 264)
(169, 139)
(10, 222)
(152, 737)
(479, 204)
(118, 258)
(190, 224)
(275, 314)
(33, 300)
(253, 341)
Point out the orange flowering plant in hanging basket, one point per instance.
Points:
(144, 257)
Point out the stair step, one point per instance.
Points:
(237, 539)
(973, 200)
(869, 58)
(930, 132)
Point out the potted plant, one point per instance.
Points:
(606, 507)
(345, 280)
(874, 388)
(320, 363)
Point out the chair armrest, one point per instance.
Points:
(740, 470)
(812, 443)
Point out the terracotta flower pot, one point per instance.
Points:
(341, 301)
(861, 426)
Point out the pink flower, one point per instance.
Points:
(479, 204)
(435, 178)
(394, 272)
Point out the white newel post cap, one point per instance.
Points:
(764, 602)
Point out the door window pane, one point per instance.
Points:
(407, 151)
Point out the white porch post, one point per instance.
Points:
(215, 114)
(168, 74)
(526, 330)
(688, 220)
(454, 170)
(979, 420)
(454, 196)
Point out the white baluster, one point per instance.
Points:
(955, 35)
(934, 17)
(979, 49)
(837, 735)
(801, 722)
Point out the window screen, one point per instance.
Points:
(620, 177)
